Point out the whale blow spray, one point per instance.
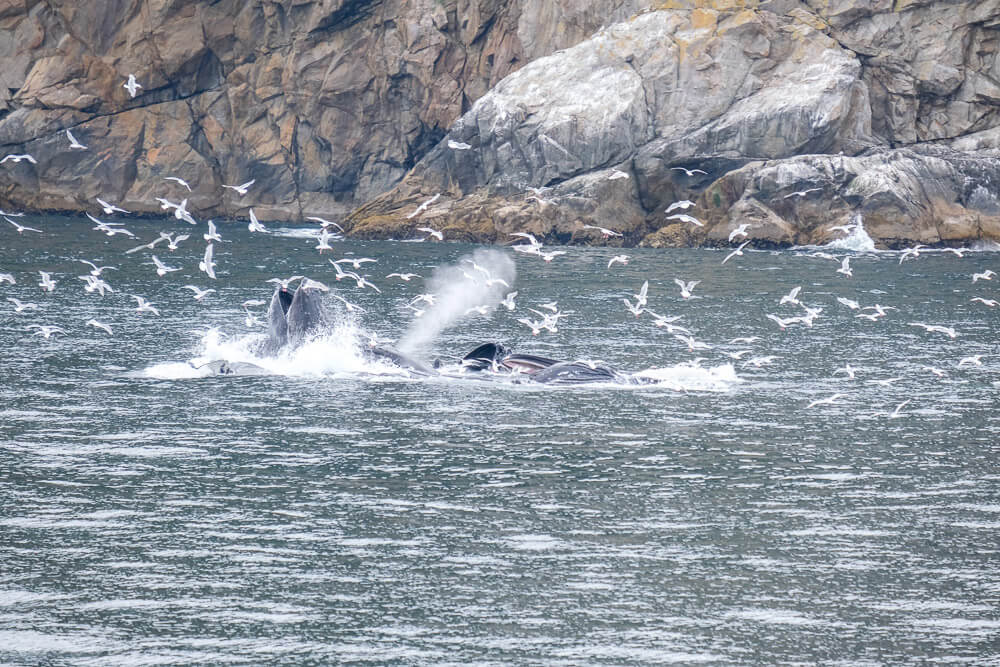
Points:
(470, 283)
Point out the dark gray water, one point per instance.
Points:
(330, 514)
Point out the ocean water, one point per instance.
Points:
(340, 511)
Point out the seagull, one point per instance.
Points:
(109, 229)
(426, 298)
(206, 264)
(634, 309)
(848, 369)
(686, 287)
(325, 223)
(824, 401)
(738, 251)
(255, 225)
(783, 322)
(850, 303)
(740, 231)
(738, 354)
(212, 234)
(18, 158)
(880, 310)
(746, 340)
(97, 270)
(324, 241)
(362, 281)
(847, 229)
(423, 207)
(181, 213)
(508, 301)
(356, 263)
(911, 252)
(689, 172)
(177, 179)
(533, 243)
(242, 188)
(617, 174)
(482, 310)
(347, 304)
(985, 275)
(887, 382)
(622, 259)
(46, 283)
(692, 343)
(109, 209)
(684, 205)
(801, 193)
(845, 267)
(937, 371)
(549, 256)
(896, 413)
(936, 328)
(164, 236)
(144, 306)
(433, 232)
(663, 321)
(21, 228)
(131, 85)
(684, 217)
(94, 283)
(757, 362)
(7, 277)
(73, 143)
(405, 277)
(285, 283)
(13, 215)
(166, 204)
(252, 302)
(172, 241)
(992, 303)
(792, 297)
(959, 252)
(199, 293)
(640, 298)
(606, 232)
(100, 325)
(46, 330)
(536, 327)
(458, 145)
(161, 268)
(973, 360)
(21, 306)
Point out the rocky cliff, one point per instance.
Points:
(326, 103)
(575, 112)
(793, 117)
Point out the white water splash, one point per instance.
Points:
(459, 288)
(692, 377)
(858, 240)
(337, 351)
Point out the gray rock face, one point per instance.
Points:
(720, 107)
(550, 116)
(325, 102)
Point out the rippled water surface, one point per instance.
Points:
(333, 512)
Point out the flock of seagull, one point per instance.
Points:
(547, 315)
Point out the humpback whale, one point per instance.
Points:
(293, 316)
